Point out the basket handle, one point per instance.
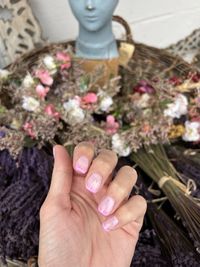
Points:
(124, 23)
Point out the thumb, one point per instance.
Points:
(62, 173)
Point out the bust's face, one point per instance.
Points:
(93, 14)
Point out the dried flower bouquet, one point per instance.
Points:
(54, 101)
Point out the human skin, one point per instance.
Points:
(73, 228)
(96, 39)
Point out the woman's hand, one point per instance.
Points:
(87, 219)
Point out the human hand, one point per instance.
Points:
(85, 222)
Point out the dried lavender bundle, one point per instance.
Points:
(24, 186)
(188, 164)
(174, 242)
(154, 161)
(188, 209)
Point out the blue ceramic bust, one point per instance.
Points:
(96, 39)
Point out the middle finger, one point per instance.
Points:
(101, 169)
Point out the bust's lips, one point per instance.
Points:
(91, 18)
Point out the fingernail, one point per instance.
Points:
(110, 223)
(106, 206)
(82, 165)
(94, 182)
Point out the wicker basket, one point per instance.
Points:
(151, 60)
(14, 263)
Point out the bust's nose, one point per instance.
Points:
(90, 4)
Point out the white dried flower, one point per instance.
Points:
(4, 74)
(49, 62)
(72, 104)
(119, 146)
(105, 103)
(192, 131)
(143, 101)
(75, 114)
(30, 103)
(178, 108)
(28, 81)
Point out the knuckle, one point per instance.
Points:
(103, 164)
(49, 208)
(118, 189)
(62, 172)
(142, 203)
(109, 154)
(128, 213)
(85, 147)
(130, 172)
(43, 210)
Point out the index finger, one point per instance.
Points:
(62, 172)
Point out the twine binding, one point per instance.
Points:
(187, 189)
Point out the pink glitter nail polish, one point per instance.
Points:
(106, 206)
(93, 183)
(110, 223)
(82, 165)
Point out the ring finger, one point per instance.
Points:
(118, 190)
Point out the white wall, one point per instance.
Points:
(155, 22)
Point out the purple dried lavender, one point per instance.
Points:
(23, 187)
(2, 134)
(7, 167)
(148, 251)
(175, 244)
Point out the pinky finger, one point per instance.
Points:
(129, 215)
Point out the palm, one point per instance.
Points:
(71, 231)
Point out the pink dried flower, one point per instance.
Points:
(62, 56)
(197, 101)
(65, 66)
(111, 125)
(51, 111)
(90, 98)
(144, 88)
(193, 112)
(44, 77)
(28, 128)
(146, 128)
(175, 81)
(65, 59)
(196, 119)
(194, 76)
(42, 91)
